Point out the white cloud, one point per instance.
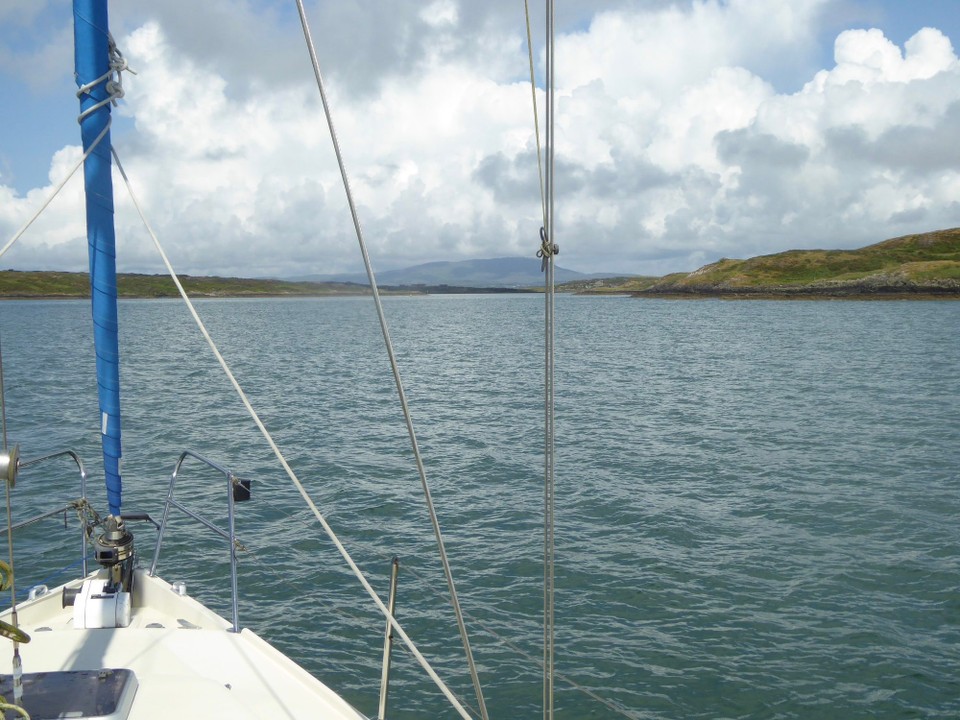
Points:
(752, 170)
(440, 13)
(674, 144)
(260, 170)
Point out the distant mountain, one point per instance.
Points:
(504, 275)
(511, 272)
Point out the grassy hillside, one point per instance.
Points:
(31, 284)
(46, 284)
(913, 264)
(611, 285)
(926, 264)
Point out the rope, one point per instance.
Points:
(57, 190)
(393, 365)
(113, 78)
(5, 706)
(547, 249)
(536, 119)
(86, 514)
(283, 462)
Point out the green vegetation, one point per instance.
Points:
(34, 284)
(38, 284)
(603, 286)
(913, 265)
(927, 264)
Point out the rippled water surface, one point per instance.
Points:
(758, 502)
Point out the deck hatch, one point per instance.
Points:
(84, 694)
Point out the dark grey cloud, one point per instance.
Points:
(626, 176)
(360, 43)
(751, 149)
(514, 179)
(910, 217)
(768, 187)
(511, 180)
(915, 148)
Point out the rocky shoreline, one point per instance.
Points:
(865, 289)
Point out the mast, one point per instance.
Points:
(93, 74)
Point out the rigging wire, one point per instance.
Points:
(3, 400)
(549, 250)
(283, 461)
(612, 705)
(393, 364)
(373, 549)
(9, 579)
(303, 519)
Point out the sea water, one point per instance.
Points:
(757, 501)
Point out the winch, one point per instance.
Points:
(114, 551)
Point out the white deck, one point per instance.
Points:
(187, 661)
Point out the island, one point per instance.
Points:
(926, 265)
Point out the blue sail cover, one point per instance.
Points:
(92, 61)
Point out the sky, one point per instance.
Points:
(687, 131)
